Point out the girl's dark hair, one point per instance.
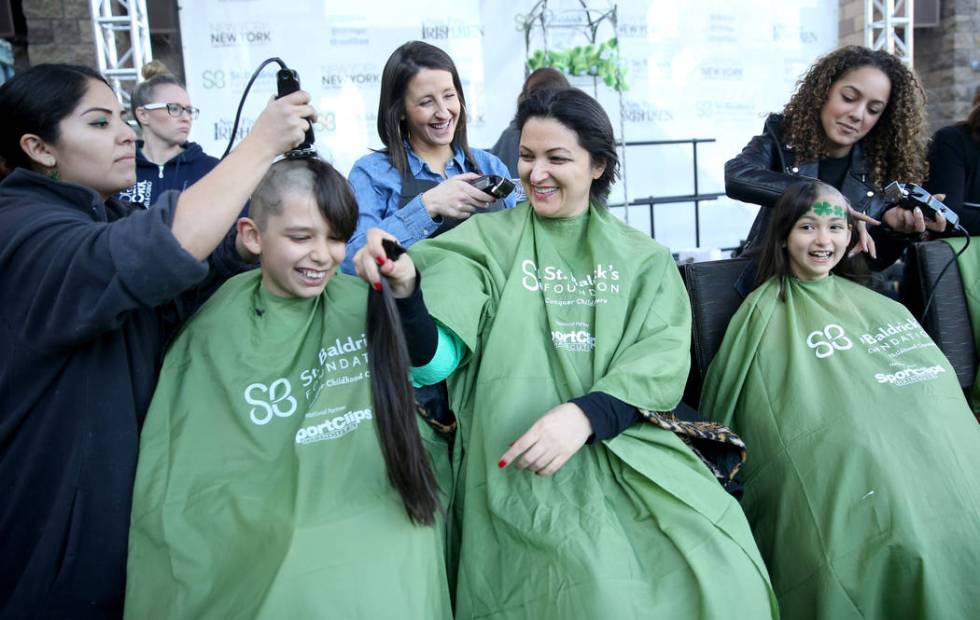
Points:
(35, 102)
(894, 149)
(794, 202)
(406, 461)
(154, 73)
(329, 188)
(582, 114)
(403, 64)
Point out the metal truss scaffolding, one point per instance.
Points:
(118, 24)
(888, 26)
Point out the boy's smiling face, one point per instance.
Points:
(298, 251)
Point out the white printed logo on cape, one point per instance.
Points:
(892, 340)
(141, 193)
(565, 289)
(342, 363)
(574, 337)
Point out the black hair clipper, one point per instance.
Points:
(910, 196)
(496, 186)
(287, 82)
(392, 250)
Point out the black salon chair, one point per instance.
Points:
(948, 322)
(711, 287)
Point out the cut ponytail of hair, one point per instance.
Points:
(406, 460)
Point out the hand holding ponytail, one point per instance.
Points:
(406, 461)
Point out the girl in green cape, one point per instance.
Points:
(861, 487)
(277, 478)
(562, 325)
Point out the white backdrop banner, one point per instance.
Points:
(694, 69)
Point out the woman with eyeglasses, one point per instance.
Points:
(165, 159)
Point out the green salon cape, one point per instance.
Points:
(862, 480)
(261, 489)
(633, 527)
(969, 265)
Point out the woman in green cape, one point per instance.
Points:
(862, 489)
(566, 329)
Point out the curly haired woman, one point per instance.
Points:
(856, 122)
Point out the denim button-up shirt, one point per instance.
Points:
(378, 186)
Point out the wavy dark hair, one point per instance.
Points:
(154, 73)
(894, 149)
(403, 64)
(773, 259)
(35, 102)
(582, 114)
(543, 78)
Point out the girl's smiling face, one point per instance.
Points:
(819, 238)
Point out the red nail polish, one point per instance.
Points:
(380, 259)
(377, 286)
(501, 463)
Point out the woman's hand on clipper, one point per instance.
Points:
(864, 241)
(371, 263)
(913, 222)
(551, 441)
(455, 197)
(282, 124)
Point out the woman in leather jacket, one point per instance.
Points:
(856, 122)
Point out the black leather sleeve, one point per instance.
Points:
(752, 175)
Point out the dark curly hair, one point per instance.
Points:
(894, 149)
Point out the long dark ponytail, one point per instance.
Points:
(406, 461)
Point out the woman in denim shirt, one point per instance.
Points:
(418, 185)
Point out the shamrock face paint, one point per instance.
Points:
(819, 238)
(822, 207)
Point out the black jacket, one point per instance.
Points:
(767, 166)
(954, 170)
(91, 292)
(182, 171)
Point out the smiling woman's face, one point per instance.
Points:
(556, 172)
(95, 147)
(854, 104)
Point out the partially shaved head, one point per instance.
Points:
(308, 176)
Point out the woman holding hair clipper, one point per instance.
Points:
(418, 186)
(856, 122)
(92, 291)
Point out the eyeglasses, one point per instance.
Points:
(174, 109)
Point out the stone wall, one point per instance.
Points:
(850, 22)
(59, 31)
(946, 57)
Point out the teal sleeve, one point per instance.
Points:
(449, 352)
